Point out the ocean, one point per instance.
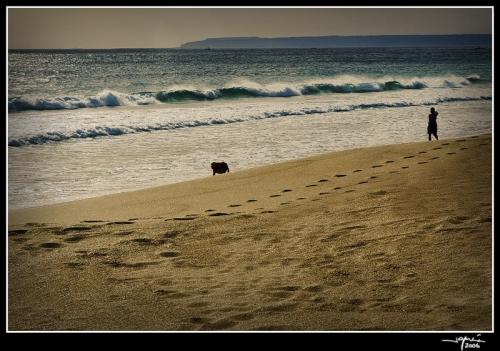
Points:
(83, 123)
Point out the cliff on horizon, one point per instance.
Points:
(454, 40)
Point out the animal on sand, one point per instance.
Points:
(220, 167)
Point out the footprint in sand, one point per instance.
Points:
(246, 216)
(437, 148)
(331, 237)
(378, 193)
(284, 291)
(75, 265)
(92, 221)
(275, 195)
(373, 177)
(172, 294)
(483, 144)
(348, 191)
(121, 222)
(286, 190)
(184, 218)
(340, 175)
(451, 153)
(169, 254)
(217, 214)
(310, 185)
(142, 241)
(357, 170)
(457, 219)
(76, 228)
(50, 245)
(445, 144)
(485, 220)
(363, 182)
(285, 203)
(209, 210)
(376, 166)
(301, 198)
(409, 157)
(404, 167)
(422, 162)
(435, 158)
(390, 161)
(198, 320)
(75, 239)
(422, 152)
(235, 205)
(119, 264)
(124, 233)
(251, 200)
(313, 288)
(171, 234)
(267, 211)
(17, 232)
(271, 327)
(325, 193)
(337, 188)
(464, 148)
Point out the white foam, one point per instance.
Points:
(241, 88)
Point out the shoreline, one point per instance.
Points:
(29, 212)
(159, 185)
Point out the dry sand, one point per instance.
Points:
(386, 238)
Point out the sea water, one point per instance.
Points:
(83, 123)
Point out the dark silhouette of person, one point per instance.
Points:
(432, 127)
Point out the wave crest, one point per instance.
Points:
(105, 98)
(342, 85)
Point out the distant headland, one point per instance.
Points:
(451, 40)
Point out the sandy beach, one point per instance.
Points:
(395, 237)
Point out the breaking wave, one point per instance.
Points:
(235, 91)
(121, 130)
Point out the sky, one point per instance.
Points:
(100, 28)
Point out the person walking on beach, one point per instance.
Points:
(432, 127)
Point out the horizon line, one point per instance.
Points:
(257, 37)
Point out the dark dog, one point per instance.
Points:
(220, 167)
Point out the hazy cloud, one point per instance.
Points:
(169, 27)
